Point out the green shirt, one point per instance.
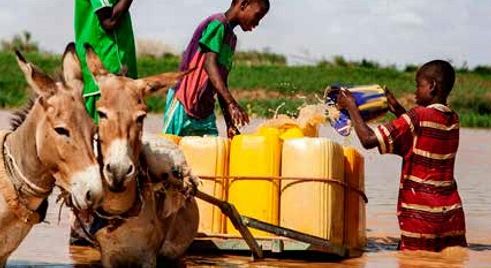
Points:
(115, 48)
(215, 39)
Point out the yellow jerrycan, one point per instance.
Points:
(355, 225)
(208, 158)
(255, 156)
(312, 204)
(174, 138)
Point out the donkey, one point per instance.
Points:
(140, 220)
(50, 144)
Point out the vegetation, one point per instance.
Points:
(257, 58)
(263, 81)
(21, 41)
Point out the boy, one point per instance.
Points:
(190, 106)
(106, 26)
(429, 208)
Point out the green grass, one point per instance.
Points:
(12, 84)
(475, 120)
(471, 97)
(314, 79)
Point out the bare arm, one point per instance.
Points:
(211, 67)
(366, 135)
(394, 106)
(111, 17)
(231, 129)
(232, 110)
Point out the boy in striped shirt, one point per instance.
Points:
(429, 208)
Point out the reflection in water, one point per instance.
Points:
(377, 244)
(84, 255)
(46, 245)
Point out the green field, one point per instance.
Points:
(262, 87)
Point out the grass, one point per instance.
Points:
(471, 97)
(12, 84)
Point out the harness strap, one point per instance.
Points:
(9, 192)
(291, 181)
(19, 180)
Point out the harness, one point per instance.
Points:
(104, 219)
(13, 183)
(101, 219)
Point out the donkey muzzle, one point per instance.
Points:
(86, 188)
(118, 174)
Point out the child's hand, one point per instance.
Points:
(391, 100)
(232, 131)
(238, 115)
(394, 106)
(345, 100)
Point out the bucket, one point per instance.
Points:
(371, 101)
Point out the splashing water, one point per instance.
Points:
(308, 121)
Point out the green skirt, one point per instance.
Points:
(177, 122)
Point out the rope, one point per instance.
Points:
(133, 211)
(8, 188)
(280, 178)
(32, 188)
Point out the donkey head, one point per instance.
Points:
(63, 130)
(121, 111)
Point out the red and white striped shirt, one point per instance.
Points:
(429, 207)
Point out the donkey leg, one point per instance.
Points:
(182, 231)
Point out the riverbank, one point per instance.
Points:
(263, 86)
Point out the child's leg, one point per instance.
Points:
(431, 231)
(174, 115)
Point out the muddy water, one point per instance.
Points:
(46, 245)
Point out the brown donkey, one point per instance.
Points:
(51, 144)
(140, 222)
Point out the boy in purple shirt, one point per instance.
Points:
(190, 105)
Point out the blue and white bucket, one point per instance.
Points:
(371, 100)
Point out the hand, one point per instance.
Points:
(238, 116)
(394, 106)
(391, 100)
(232, 131)
(345, 100)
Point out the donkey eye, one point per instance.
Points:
(62, 131)
(140, 118)
(102, 115)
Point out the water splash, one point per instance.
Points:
(308, 121)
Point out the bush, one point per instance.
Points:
(22, 42)
(339, 61)
(475, 120)
(256, 58)
(480, 69)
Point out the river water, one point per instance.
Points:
(47, 244)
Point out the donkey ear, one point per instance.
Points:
(41, 83)
(72, 72)
(94, 62)
(152, 84)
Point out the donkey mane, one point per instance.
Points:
(18, 117)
